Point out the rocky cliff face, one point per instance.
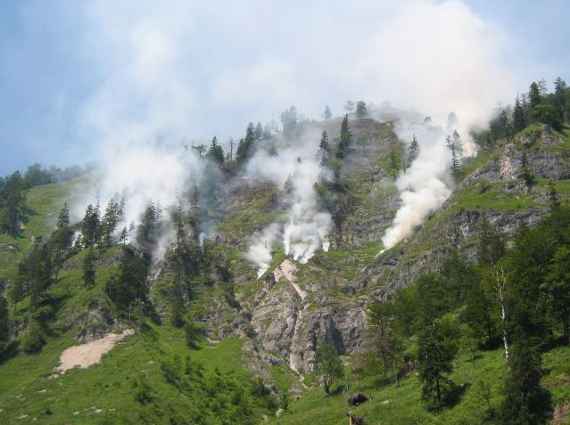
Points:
(288, 312)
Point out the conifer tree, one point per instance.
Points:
(258, 131)
(324, 147)
(216, 152)
(327, 115)
(413, 151)
(436, 351)
(525, 172)
(519, 116)
(534, 95)
(89, 271)
(345, 139)
(361, 109)
(455, 146)
(90, 226)
(561, 98)
(110, 221)
(12, 204)
(328, 365)
(4, 324)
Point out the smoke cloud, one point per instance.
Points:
(160, 80)
(425, 185)
(295, 170)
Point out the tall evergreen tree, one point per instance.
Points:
(534, 95)
(526, 401)
(525, 172)
(327, 115)
(561, 98)
(557, 286)
(216, 152)
(259, 131)
(246, 146)
(91, 226)
(328, 365)
(13, 204)
(361, 109)
(345, 139)
(111, 219)
(128, 288)
(519, 116)
(413, 151)
(324, 148)
(4, 324)
(89, 271)
(455, 146)
(436, 351)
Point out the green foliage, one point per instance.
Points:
(328, 365)
(128, 287)
(89, 271)
(13, 210)
(437, 349)
(91, 226)
(4, 324)
(345, 139)
(216, 152)
(32, 340)
(361, 109)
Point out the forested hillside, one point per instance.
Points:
(303, 266)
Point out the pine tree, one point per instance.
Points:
(534, 95)
(394, 159)
(90, 226)
(413, 151)
(327, 115)
(246, 145)
(345, 139)
(526, 401)
(519, 117)
(128, 288)
(560, 98)
(13, 209)
(386, 344)
(39, 272)
(361, 109)
(525, 172)
(349, 106)
(4, 324)
(62, 238)
(148, 231)
(259, 131)
(455, 146)
(289, 121)
(89, 271)
(216, 152)
(436, 351)
(328, 365)
(324, 148)
(111, 218)
(557, 286)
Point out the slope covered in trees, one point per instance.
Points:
(464, 321)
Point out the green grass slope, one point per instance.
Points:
(402, 405)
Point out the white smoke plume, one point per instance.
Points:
(261, 246)
(425, 185)
(295, 169)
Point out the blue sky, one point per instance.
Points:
(73, 76)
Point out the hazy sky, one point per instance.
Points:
(75, 74)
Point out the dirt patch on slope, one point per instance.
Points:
(88, 354)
